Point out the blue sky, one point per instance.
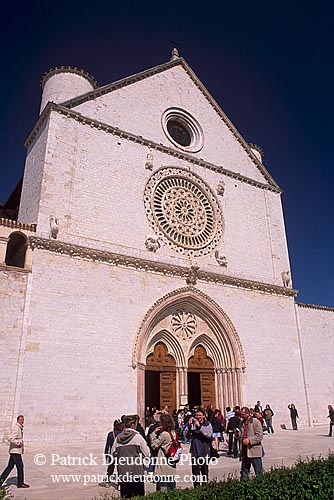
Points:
(269, 66)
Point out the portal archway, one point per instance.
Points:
(184, 320)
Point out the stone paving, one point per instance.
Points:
(283, 448)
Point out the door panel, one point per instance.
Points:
(168, 390)
(208, 389)
(200, 363)
(163, 364)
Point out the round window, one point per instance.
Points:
(183, 211)
(179, 132)
(182, 130)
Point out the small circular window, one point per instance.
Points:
(179, 132)
(182, 130)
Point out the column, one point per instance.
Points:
(141, 391)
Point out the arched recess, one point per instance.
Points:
(16, 250)
(220, 340)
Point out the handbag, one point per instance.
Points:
(213, 452)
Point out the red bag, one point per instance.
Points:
(175, 450)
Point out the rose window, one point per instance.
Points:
(183, 210)
(183, 324)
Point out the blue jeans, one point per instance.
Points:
(14, 459)
(269, 424)
(246, 465)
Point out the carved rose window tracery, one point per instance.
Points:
(183, 210)
(183, 324)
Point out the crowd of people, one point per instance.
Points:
(138, 453)
(236, 433)
(239, 429)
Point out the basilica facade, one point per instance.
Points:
(147, 264)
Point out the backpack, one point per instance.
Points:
(175, 450)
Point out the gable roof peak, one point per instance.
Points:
(175, 54)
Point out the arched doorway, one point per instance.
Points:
(160, 378)
(201, 379)
(182, 321)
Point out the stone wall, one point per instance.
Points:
(94, 184)
(316, 326)
(13, 286)
(84, 316)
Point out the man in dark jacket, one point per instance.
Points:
(233, 434)
(200, 432)
(130, 449)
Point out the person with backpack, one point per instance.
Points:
(131, 450)
(162, 439)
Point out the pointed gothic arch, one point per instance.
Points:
(184, 319)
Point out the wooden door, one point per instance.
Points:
(208, 389)
(168, 390)
(162, 362)
(202, 364)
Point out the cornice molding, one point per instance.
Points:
(140, 140)
(68, 69)
(155, 267)
(76, 101)
(14, 224)
(315, 306)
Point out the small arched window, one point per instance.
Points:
(16, 250)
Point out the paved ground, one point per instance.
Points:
(283, 448)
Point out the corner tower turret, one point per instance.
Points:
(65, 82)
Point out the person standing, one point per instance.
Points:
(130, 449)
(268, 416)
(217, 429)
(233, 431)
(16, 450)
(200, 433)
(258, 407)
(229, 413)
(331, 420)
(150, 434)
(109, 461)
(293, 415)
(251, 447)
(161, 439)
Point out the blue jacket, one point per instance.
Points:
(201, 438)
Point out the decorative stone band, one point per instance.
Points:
(17, 225)
(315, 306)
(68, 69)
(179, 61)
(155, 267)
(140, 140)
